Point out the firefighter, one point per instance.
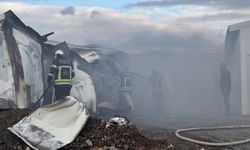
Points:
(61, 74)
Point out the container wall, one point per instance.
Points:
(7, 90)
(245, 69)
(233, 63)
(30, 51)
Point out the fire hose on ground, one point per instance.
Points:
(224, 144)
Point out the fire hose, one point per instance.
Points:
(178, 135)
(45, 92)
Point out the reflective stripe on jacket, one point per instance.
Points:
(63, 79)
(62, 70)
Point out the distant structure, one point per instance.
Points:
(125, 92)
(155, 80)
(237, 60)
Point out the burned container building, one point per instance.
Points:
(20, 73)
(25, 60)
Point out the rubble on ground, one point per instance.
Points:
(98, 134)
(112, 134)
(95, 135)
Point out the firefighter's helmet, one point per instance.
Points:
(59, 52)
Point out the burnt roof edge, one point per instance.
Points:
(19, 25)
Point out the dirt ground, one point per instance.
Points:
(165, 128)
(140, 133)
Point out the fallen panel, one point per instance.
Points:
(52, 126)
(83, 89)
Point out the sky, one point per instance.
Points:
(134, 25)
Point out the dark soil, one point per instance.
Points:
(8, 118)
(95, 135)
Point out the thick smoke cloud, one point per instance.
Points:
(68, 11)
(219, 16)
(226, 4)
(109, 28)
(191, 76)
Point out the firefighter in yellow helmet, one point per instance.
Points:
(61, 74)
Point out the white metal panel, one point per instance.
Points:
(7, 90)
(53, 126)
(233, 63)
(83, 89)
(91, 57)
(239, 26)
(30, 52)
(247, 107)
(244, 71)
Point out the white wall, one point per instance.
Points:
(7, 90)
(233, 63)
(245, 68)
(83, 89)
(30, 52)
(237, 58)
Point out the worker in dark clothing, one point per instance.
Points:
(61, 74)
(225, 85)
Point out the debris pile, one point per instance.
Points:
(99, 134)
(117, 133)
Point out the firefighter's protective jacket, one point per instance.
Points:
(62, 70)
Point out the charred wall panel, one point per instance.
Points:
(47, 58)
(30, 51)
(6, 80)
(16, 63)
